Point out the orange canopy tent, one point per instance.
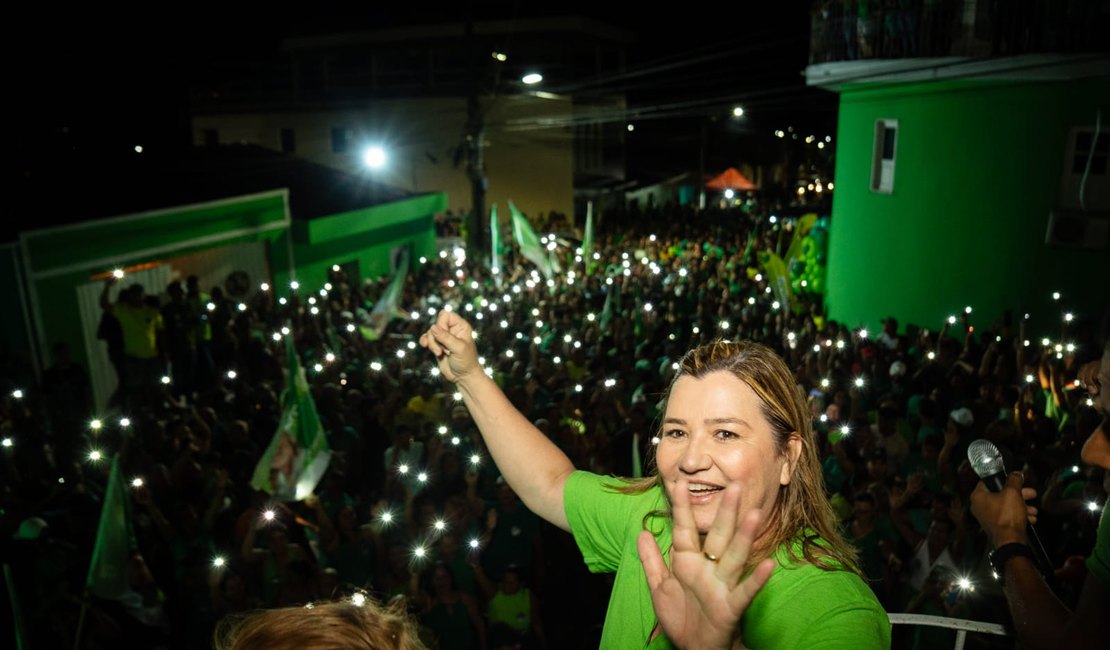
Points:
(730, 180)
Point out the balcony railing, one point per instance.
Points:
(848, 30)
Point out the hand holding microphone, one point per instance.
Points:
(1002, 511)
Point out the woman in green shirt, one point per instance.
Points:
(731, 542)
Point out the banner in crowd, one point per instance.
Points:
(529, 243)
(777, 278)
(298, 455)
(115, 540)
(388, 306)
(494, 241)
(588, 239)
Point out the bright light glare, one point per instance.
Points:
(532, 78)
(374, 157)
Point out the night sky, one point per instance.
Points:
(97, 81)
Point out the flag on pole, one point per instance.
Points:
(495, 241)
(115, 540)
(588, 238)
(529, 243)
(388, 306)
(298, 454)
(612, 306)
(777, 277)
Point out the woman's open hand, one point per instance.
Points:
(699, 600)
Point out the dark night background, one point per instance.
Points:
(95, 82)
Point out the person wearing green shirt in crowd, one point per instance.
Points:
(731, 543)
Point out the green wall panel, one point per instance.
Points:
(977, 172)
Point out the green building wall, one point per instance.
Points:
(977, 171)
(364, 236)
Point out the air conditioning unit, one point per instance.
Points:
(1074, 229)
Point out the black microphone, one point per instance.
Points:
(986, 460)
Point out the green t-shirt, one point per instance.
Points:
(801, 606)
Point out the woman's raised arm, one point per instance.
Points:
(532, 465)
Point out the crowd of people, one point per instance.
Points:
(413, 512)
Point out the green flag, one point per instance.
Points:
(529, 243)
(388, 305)
(115, 540)
(495, 242)
(612, 305)
(298, 454)
(588, 238)
(777, 277)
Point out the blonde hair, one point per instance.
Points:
(801, 508)
(339, 625)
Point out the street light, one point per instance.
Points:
(532, 78)
(374, 157)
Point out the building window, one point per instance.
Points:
(288, 141)
(882, 161)
(211, 137)
(340, 139)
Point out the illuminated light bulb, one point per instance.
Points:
(440, 524)
(455, 440)
(282, 301)
(387, 517)
(125, 422)
(17, 394)
(845, 430)
(475, 459)
(590, 317)
(805, 283)
(1055, 295)
(557, 360)
(468, 307)
(269, 515)
(96, 425)
(431, 311)
(859, 382)
(434, 371)
(751, 301)
(7, 442)
(457, 396)
(315, 311)
(816, 347)
(211, 306)
(724, 325)
(509, 353)
(683, 273)
(696, 330)
(95, 455)
(537, 340)
(931, 355)
(965, 584)
(443, 254)
(1068, 317)
(1070, 347)
(358, 599)
(824, 418)
(840, 344)
(294, 285)
(863, 333)
(1029, 379)
(578, 388)
(1092, 506)
(319, 367)
(350, 327)
(473, 543)
(951, 320)
(609, 383)
(166, 379)
(1075, 469)
(422, 477)
(136, 482)
(1090, 402)
(776, 305)
(423, 260)
(504, 324)
(400, 354)
(376, 366)
(419, 551)
(790, 336)
(608, 281)
(218, 562)
(825, 383)
(674, 366)
(402, 469)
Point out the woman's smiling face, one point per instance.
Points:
(715, 435)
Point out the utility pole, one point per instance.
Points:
(477, 237)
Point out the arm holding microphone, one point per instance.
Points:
(1041, 620)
